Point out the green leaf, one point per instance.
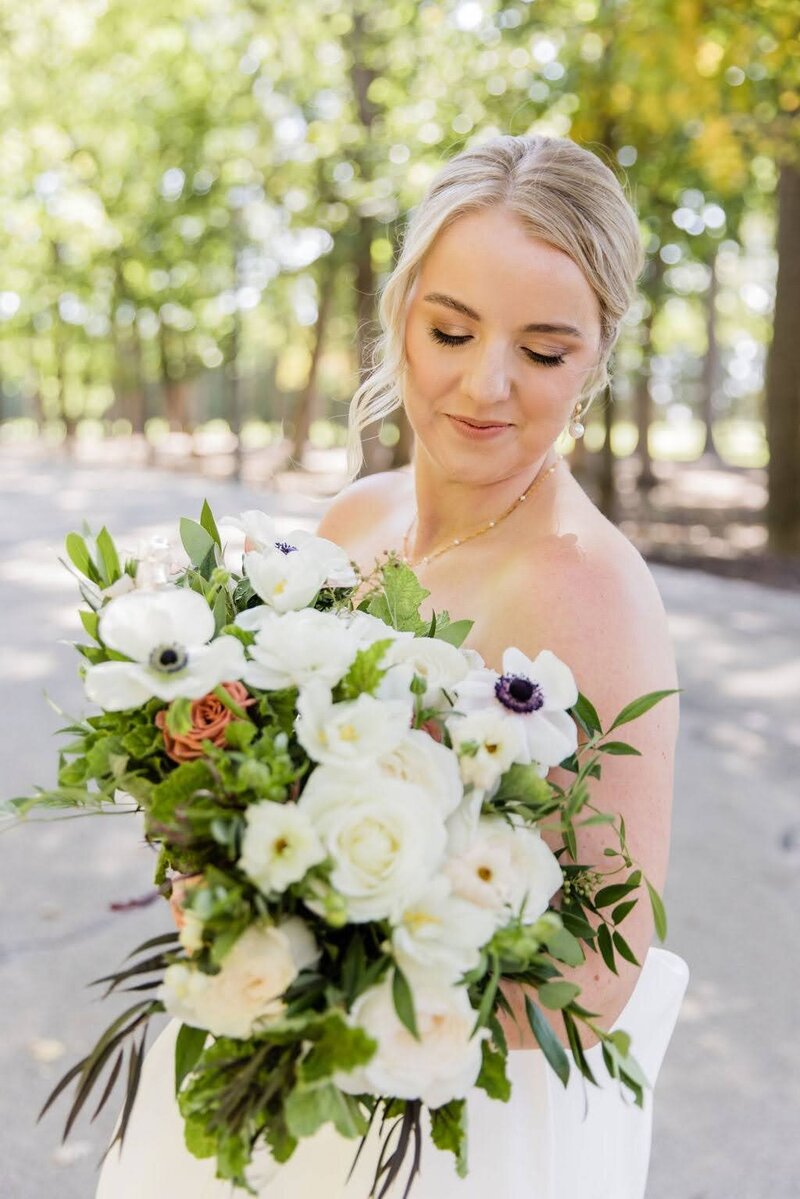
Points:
(179, 716)
(78, 553)
(197, 542)
(586, 715)
(90, 621)
(613, 894)
(556, 995)
(606, 947)
(208, 523)
(565, 947)
(239, 734)
(659, 913)
(404, 1001)
(306, 1109)
(550, 1045)
(493, 1078)
(624, 949)
(454, 633)
(620, 912)
(109, 559)
(522, 783)
(619, 748)
(399, 604)
(189, 1045)
(449, 1131)
(641, 705)
(220, 610)
(339, 1047)
(197, 1139)
(365, 672)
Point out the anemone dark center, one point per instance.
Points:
(519, 693)
(285, 548)
(168, 658)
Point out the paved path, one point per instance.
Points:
(729, 1093)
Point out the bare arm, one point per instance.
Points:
(607, 623)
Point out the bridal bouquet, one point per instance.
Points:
(353, 805)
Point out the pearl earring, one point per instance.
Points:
(576, 427)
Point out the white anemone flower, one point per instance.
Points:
(293, 649)
(254, 526)
(437, 930)
(167, 635)
(279, 845)
(352, 733)
(535, 695)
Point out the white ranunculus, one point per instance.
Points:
(437, 930)
(438, 663)
(167, 634)
(352, 733)
(499, 743)
(507, 869)
(248, 991)
(432, 767)
(294, 649)
(442, 1065)
(385, 838)
(279, 845)
(534, 694)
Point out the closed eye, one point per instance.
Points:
(447, 339)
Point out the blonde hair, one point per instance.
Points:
(564, 195)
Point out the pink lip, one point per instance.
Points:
(477, 429)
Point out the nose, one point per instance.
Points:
(487, 379)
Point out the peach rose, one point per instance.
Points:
(210, 718)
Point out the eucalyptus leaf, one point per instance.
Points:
(549, 1043)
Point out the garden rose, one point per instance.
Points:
(385, 838)
(210, 718)
(442, 1065)
(248, 991)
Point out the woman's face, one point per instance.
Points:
(494, 371)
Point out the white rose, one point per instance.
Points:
(279, 845)
(353, 733)
(420, 760)
(384, 837)
(440, 931)
(248, 991)
(442, 1065)
(499, 743)
(293, 649)
(508, 869)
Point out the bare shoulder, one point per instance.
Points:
(595, 603)
(362, 505)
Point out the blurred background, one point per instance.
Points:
(198, 206)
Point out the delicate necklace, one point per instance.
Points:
(540, 477)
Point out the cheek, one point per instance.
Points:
(429, 373)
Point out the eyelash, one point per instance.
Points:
(447, 339)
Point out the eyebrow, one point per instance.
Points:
(437, 297)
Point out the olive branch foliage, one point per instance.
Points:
(277, 1087)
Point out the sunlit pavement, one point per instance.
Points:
(729, 1091)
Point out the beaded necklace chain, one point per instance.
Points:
(437, 553)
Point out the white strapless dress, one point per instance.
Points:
(548, 1142)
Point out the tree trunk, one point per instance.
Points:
(783, 376)
(711, 364)
(304, 407)
(173, 386)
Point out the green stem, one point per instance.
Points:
(224, 697)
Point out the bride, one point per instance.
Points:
(499, 318)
